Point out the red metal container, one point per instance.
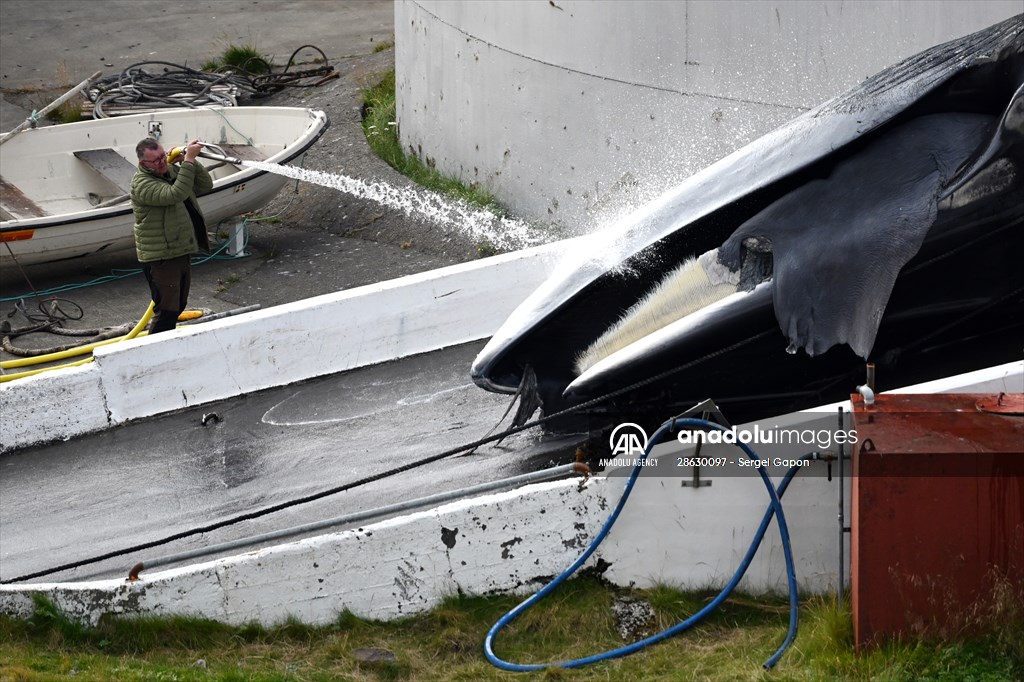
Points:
(937, 512)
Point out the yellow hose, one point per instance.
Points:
(81, 350)
(29, 372)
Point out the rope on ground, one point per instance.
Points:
(148, 86)
(97, 335)
(53, 313)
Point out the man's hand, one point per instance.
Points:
(192, 150)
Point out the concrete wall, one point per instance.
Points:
(568, 110)
(511, 542)
(212, 361)
(386, 570)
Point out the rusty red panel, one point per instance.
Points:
(937, 512)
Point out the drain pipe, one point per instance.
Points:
(522, 479)
(842, 516)
(867, 392)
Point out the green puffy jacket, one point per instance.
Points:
(163, 228)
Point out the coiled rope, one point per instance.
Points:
(147, 86)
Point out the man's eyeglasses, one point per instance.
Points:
(159, 157)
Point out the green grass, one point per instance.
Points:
(381, 130)
(244, 58)
(446, 645)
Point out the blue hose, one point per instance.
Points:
(774, 509)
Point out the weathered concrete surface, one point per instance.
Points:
(495, 544)
(278, 346)
(668, 533)
(79, 499)
(49, 43)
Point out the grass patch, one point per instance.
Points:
(381, 130)
(243, 58)
(446, 644)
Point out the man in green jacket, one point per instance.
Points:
(169, 226)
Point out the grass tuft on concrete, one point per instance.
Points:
(380, 125)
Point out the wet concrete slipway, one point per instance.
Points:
(70, 501)
(134, 484)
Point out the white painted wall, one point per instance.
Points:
(386, 570)
(567, 110)
(212, 361)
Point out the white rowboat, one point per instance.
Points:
(63, 189)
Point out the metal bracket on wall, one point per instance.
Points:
(696, 481)
(707, 409)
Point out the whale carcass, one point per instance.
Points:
(882, 226)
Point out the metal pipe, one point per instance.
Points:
(217, 154)
(842, 512)
(533, 477)
(31, 121)
(226, 313)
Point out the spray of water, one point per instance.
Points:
(506, 234)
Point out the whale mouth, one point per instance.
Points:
(694, 284)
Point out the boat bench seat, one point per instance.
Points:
(110, 165)
(15, 205)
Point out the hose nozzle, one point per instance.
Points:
(172, 156)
